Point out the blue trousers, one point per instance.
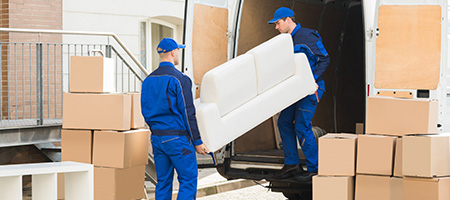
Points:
(174, 152)
(295, 123)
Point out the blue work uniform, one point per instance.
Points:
(168, 109)
(306, 41)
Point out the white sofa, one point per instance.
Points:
(249, 89)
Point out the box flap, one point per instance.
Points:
(339, 136)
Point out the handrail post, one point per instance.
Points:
(39, 85)
(108, 51)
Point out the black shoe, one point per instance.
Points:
(288, 171)
(305, 176)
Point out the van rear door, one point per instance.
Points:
(405, 48)
(206, 35)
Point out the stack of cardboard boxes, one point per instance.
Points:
(426, 167)
(336, 173)
(104, 128)
(399, 157)
(374, 168)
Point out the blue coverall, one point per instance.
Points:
(168, 109)
(295, 121)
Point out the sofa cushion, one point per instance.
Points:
(231, 84)
(274, 60)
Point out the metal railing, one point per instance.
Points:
(34, 75)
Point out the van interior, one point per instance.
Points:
(258, 153)
(340, 24)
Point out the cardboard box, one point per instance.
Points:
(337, 155)
(398, 160)
(396, 188)
(121, 149)
(401, 116)
(97, 111)
(375, 154)
(137, 120)
(119, 184)
(426, 188)
(372, 187)
(76, 145)
(333, 187)
(92, 74)
(426, 155)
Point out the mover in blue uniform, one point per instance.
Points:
(168, 109)
(295, 121)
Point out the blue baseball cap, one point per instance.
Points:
(168, 44)
(281, 13)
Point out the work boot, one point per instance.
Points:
(305, 176)
(288, 171)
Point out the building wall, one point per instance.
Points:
(34, 14)
(18, 92)
(122, 18)
(18, 59)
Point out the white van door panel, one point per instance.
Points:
(206, 28)
(405, 48)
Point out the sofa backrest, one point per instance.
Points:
(231, 84)
(274, 60)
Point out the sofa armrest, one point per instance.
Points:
(303, 69)
(210, 124)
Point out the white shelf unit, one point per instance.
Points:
(79, 180)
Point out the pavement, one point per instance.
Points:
(256, 192)
(210, 182)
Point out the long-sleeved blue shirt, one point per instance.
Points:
(308, 41)
(167, 103)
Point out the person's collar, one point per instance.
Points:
(166, 63)
(296, 29)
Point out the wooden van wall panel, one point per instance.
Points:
(397, 94)
(259, 138)
(209, 36)
(408, 47)
(254, 28)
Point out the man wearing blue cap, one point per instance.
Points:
(295, 121)
(168, 109)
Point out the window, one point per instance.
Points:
(152, 31)
(159, 31)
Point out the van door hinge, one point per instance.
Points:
(371, 33)
(230, 35)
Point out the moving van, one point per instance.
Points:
(390, 48)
